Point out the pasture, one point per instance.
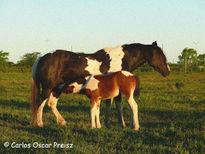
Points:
(171, 117)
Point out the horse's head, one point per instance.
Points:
(156, 58)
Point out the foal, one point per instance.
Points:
(101, 87)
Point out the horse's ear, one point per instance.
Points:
(154, 43)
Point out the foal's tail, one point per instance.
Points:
(137, 88)
(35, 90)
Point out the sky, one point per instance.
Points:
(90, 25)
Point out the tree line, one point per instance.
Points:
(188, 61)
(26, 61)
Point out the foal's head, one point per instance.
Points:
(156, 58)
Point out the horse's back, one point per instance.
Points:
(59, 67)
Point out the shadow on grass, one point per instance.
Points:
(180, 119)
(176, 115)
(51, 134)
(185, 119)
(11, 118)
(17, 104)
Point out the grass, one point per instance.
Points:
(172, 119)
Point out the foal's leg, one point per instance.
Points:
(118, 101)
(119, 109)
(107, 113)
(93, 113)
(52, 103)
(134, 108)
(98, 114)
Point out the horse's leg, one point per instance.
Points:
(43, 98)
(107, 113)
(38, 121)
(52, 103)
(98, 114)
(134, 108)
(118, 101)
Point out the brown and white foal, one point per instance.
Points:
(101, 87)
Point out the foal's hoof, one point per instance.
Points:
(62, 123)
(38, 125)
(136, 128)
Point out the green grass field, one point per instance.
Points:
(171, 116)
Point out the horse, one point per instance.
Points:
(107, 86)
(65, 67)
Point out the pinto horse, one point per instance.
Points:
(62, 68)
(99, 87)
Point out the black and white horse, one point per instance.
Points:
(61, 68)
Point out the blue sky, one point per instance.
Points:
(46, 25)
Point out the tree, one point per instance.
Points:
(201, 59)
(188, 58)
(3, 60)
(28, 59)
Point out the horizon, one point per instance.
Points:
(44, 26)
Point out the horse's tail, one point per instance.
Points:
(35, 92)
(137, 87)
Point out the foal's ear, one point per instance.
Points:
(154, 43)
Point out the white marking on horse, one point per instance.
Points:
(98, 125)
(91, 83)
(134, 107)
(116, 54)
(93, 66)
(77, 87)
(127, 73)
(40, 113)
(52, 103)
(93, 114)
